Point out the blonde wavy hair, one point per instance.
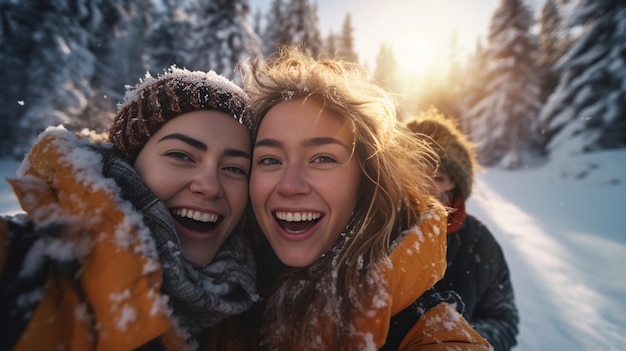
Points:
(396, 180)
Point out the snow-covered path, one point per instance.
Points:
(569, 284)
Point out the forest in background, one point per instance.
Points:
(532, 87)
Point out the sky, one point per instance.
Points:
(420, 32)
(560, 227)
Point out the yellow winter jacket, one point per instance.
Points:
(113, 302)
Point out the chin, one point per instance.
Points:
(296, 260)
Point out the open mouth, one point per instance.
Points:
(196, 220)
(297, 222)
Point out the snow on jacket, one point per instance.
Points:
(417, 263)
(81, 270)
(478, 272)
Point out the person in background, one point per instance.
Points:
(346, 222)
(477, 269)
(134, 243)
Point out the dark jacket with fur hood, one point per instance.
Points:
(478, 272)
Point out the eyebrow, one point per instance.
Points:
(202, 146)
(309, 142)
(187, 140)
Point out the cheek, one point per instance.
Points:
(352, 184)
(343, 192)
(156, 179)
(163, 186)
(446, 186)
(347, 200)
(160, 182)
(438, 188)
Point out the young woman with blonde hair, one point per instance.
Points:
(351, 242)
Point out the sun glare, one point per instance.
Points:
(413, 55)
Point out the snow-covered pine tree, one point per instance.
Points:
(59, 66)
(15, 48)
(554, 39)
(587, 110)
(121, 49)
(331, 45)
(501, 120)
(55, 51)
(346, 42)
(257, 22)
(300, 26)
(472, 87)
(387, 72)
(169, 26)
(274, 35)
(449, 102)
(221, 36)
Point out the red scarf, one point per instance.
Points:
(456, 213)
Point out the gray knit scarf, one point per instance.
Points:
(199, 296)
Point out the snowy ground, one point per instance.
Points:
(561, 229)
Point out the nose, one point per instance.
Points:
(293, 181)
(206, 182)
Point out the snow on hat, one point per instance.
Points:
(456, 152)
(150, 104)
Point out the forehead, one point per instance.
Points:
(207, 125)
(305, 116)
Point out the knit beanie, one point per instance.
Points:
(455, 151)
(150, 104)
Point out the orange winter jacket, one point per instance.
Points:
(418, 262)
(113, 301)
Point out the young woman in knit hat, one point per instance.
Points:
(477, 269)
(133, 243)
(350, 237)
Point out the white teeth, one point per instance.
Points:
(298, 216)
(196, 215)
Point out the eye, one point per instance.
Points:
(236, 170)
(268, 161)
(179, 155)
(324, 159)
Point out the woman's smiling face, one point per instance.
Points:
(304, 180)
(198, 165)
